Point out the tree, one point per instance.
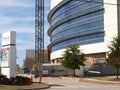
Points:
(28, 64)
(114, 54)
(73, 58)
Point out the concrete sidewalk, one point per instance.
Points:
(84, 79)
(88, 80)
(95, 81)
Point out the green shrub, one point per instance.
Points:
(18, 80)
(2, 79)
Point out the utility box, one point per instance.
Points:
(8, 64)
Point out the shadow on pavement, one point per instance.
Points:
(57, 85)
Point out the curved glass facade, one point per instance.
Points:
(87, 28)
(95, 38)
(81, 25)
(74, 7)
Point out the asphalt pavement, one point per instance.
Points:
(63, 83)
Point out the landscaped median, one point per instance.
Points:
(20, 83)
(33, 86)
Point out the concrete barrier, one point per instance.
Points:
(97, 72)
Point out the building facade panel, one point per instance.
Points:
(54, 3)
(110, 20)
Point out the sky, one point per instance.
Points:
(19, 16)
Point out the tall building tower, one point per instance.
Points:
(90, 24)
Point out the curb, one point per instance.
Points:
(47, 87)
(94, 81)
(36, 88)
(99, 82)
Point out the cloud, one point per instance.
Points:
(9, 20)
(25, 41)
(18, 29)
(23, 48)
(16, 3)
(18, 24)
(19, 16)
(26, 29)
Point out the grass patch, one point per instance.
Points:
(107, 78)
(24, 87)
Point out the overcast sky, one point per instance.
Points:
(19, 15)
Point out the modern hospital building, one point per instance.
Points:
(91, 24)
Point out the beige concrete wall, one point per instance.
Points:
(57, 70)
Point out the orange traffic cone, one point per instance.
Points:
(31, 79)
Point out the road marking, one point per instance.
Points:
(57, 87)
(78, 86)
(69, 86)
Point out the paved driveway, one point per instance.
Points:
(75, 84)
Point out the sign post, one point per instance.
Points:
(8, 65)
